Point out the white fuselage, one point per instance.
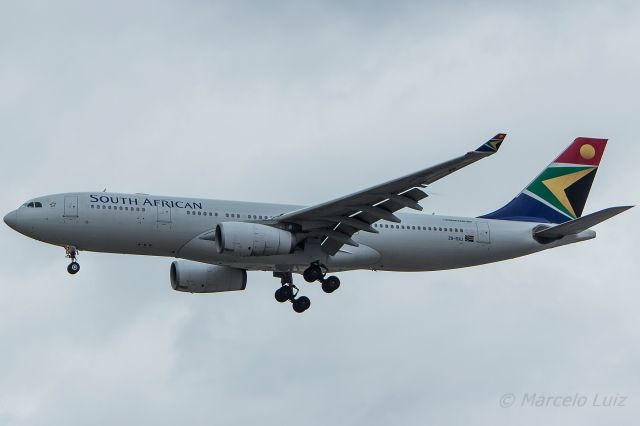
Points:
(183, 228)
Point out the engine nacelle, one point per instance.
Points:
(252, 239)
(194, 277)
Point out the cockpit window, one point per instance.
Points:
(37, 204)
(30, 205)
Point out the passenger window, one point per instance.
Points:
(104, 207)
(143, 209)
(120, 208)
(199, 213)
(126, 209)
(226, 214)
(109, 207)
(92, 206)
(188, 212)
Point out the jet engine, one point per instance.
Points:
(252, 239)
(194, 277)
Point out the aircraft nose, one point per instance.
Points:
(11, 219)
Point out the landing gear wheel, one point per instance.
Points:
(301, 304)
(71, 253)
(312, 273)
(284, 293)
(331, 284)
(73, 268)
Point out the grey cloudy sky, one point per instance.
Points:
(300, 102)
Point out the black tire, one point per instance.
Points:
(73, 268)
(312, 273)
(301, 304)
(283, 294)
(330, 284)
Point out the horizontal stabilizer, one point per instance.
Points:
(580, 224)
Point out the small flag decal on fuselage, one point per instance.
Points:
(469, 238)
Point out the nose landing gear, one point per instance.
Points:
(72, 253)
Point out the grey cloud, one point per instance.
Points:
(302, 102)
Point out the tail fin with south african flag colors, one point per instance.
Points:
(560, 192)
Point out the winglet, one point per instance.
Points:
(493, 144)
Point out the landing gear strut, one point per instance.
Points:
(72, 253)
(289, 292)
(317, 272)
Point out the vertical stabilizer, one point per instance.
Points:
(560, 192)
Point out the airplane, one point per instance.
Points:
(218, 241)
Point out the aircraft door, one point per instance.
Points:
(484, 234)
(164, 217)
(71, 206)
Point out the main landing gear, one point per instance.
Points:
(317, 272)
(289, 292)
(72, 253)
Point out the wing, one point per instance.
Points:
(336, 221)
